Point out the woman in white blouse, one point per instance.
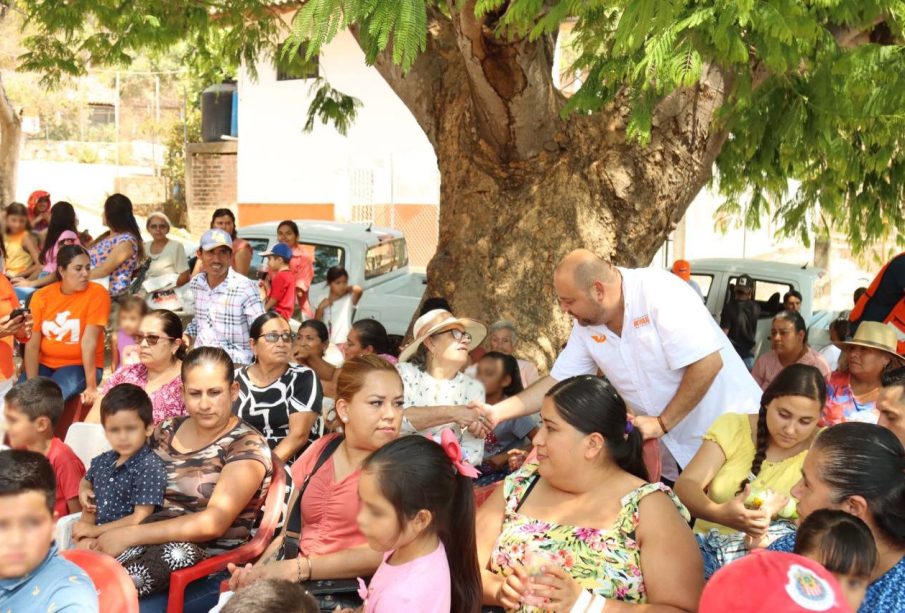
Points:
(436, 391)
(167, 256)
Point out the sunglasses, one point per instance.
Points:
(272, 337)
(458, 335)
(152, 339)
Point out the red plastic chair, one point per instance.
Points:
(481, 494)
(273, 510)
(115, 590)
(73, 411)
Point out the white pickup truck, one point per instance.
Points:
(772, 280)
(376, 259)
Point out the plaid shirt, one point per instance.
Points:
(224, 314)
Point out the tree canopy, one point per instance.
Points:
(816, 87)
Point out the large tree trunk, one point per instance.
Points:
(10, 140)
(520, 187)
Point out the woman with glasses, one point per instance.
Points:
(281, 400)
(160, 351)
(436, 391)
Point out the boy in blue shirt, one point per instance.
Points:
(125, 485)
(33, 576)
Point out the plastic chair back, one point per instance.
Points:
(87, 441)
(115, 590)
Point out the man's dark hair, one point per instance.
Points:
(272, 595)
(27, 471)
(432, 304)
(37, 397)
(792, 293)
(127, 397)
(893, 378)
(858, 293)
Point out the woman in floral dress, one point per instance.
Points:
(576, 527)
(117, 253)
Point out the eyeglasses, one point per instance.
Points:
(152, 339)
(158, 226)
(459, 335)
(272, 337)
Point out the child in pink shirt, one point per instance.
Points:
(417, 506)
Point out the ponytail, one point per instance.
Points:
(590, 404)
(414, 474)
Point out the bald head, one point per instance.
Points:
(584, 268)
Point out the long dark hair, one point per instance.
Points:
(172, 327)
(225, 213)
(208, 355)
(510, 367)
(371, 333)
(291, 225)
(66, 254)
(590, 404)
(414, 473)
(119, 216)
(319, 327)
(62, 218)
(866, 460)
(794, 380)
(841, 542)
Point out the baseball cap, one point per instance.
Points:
(744, 282)
(280, 250)
(682, 269)
(215, 237)
(773, 581)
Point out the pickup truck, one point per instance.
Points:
(376, 259)
(772, 280)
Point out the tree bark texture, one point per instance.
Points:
(520, 187)
(10, 140)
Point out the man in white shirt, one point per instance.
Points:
(653, 338)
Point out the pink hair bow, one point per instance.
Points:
(450, 445)
(362, 589)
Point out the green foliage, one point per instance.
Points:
(176, 136)
(331, 106)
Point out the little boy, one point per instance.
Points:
(33, 576)
(127, 483)
(281, 296)
(32, 410)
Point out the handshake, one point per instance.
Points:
(476, 417)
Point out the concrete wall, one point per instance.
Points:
(210, 181)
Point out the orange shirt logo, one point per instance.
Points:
(642, 321)
(599, 338)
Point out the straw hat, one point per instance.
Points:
(441, 320)
(876, 335)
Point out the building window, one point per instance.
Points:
(100, 115)
(291, 66)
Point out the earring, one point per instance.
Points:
(344, 419)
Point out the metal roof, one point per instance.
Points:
(360, 231)
(755, 267)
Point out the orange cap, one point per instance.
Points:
(682, 269)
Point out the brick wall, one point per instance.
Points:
(210, 181)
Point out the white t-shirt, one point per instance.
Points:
(831, 354)
(423, 390)
(666, 328)
(338, 317)
(170, 260)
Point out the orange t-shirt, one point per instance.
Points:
(61, 320)
(8, 302)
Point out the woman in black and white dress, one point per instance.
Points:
(281, 400)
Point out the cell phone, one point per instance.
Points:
(18, 312)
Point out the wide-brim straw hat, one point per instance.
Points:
(441, 320)
(875, 335)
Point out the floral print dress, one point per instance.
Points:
(606, 562)
(121, 276)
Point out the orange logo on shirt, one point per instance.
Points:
(599, 338)
(642, 321)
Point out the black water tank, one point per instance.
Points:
(216, 111)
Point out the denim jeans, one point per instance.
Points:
(200, 596)
(71, 379)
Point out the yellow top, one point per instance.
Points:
(18, 259)
(732, 432)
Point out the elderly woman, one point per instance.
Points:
(330, 546)
(860, 469)
(218, 471)
(167, 256)
(581, 528)
(504, 339)
(117, 253)
(160, 351)
(70, 314)
(852, 392)
(280, 399)
(789, 340)
(436, 391)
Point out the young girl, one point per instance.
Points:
(336, 309)
(21, 249)
(301, 265)
(844, 545)
(417, 506)
(131, 312)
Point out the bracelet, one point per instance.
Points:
(662, 425)
(298, 566)
(310, 568)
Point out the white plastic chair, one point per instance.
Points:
(87, 441)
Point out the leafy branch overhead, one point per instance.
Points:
(331, 106)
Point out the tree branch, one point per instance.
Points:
(848, 37)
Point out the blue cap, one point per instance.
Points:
(215, 237)
(280, 250)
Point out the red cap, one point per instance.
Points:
(682, 269)
(773, 581)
